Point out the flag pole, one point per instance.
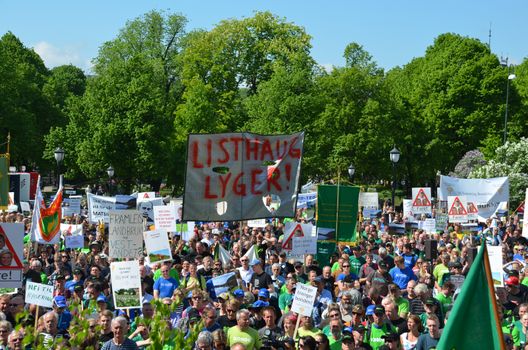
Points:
(493, 298)
(337, 207)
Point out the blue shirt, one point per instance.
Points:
(402, 276)
(166, 287)
(409, 260)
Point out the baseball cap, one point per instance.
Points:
(358, 309)
(254, 262)
(379, 309)
(258, 304)
(370, 310)
(60, 301)
(224, 296)
(60, 277)
(101, 298)
(382, 264)
(194, 315)
(77, 271)
(239, 293)
(512, 281)
(430, 301)
(318, 279)
(264, 293)
(347, 334)
(297, 263)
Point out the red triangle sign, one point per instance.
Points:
(421, 199)
(457, 208)
(520, 208)
(288, 243)
(12, 250)
(146, 195)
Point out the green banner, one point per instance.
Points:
(325, 249)
(4, 181)
(337, 210)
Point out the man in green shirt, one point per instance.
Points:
(242, 333)
(356, 260)
(379, 327)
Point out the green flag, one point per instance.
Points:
(4, 181)
(337, 210)
(473, 323)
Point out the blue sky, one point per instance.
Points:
(394, 32)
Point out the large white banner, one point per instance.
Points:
(421, 200)
(240, 176)
(125, 235)
(126, 284)
(99, 208)
(488, 194)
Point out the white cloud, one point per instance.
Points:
(328, 67)
(54, 56)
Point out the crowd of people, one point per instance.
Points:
(384, 292)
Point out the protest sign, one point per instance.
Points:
(304, 245)
(337, 208)
(71, 206)
(99, 208)
(408, 212)
(74, 242)
(11, 254)
(496, 265)
(429, 225)
(421, 202)
(221, 284)
(165, 218)
(457, 209)
(25, 207)
(157, 244)
(368, 200)
(39, 294)
(141, 196)
(441, 221)
(146, 208)
(126, 284)
(294, 229)
(240, 176)
(125, 234)
(472, 210)
(260, 223)
(303, 299)
(489, 195)
(525, 217)
(306, 200)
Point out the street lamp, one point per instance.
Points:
(110, 172)
(394, 158)
(351, 172)
(59, 157)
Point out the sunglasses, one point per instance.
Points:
(346, 265)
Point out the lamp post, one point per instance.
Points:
(351, 172)
(59, 157)
(110, 172)
(511, 76)
(394, 158)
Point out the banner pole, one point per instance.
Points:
(337, 207)
(297, 326)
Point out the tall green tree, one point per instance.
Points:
(125, 117)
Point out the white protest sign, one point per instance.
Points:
(74, 242)
(125, 234)
(441, 221)
(472, 210)
(525, 216)
(457, 209)
(260, 223)
(368, 200)
(25, 207)
(39, 294)
(99, 208)
(303, 300)
(146, 208)
(429, 225)
(126, 284)
(157, 244)
(165, 218)
(408, 212)
(421, 201)
(304, 245)
(496, 265)
(11, 254)
(71, 206)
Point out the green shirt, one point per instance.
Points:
(248, 337)
(403, 305)
(355, 264)
(172, 272)
(284, 301)
(374, 337)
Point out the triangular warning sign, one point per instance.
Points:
(520, 208)
(9, 246)
(421, 199)
(472, 208)
(296, 232)
(145, 195)
(457, 208)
